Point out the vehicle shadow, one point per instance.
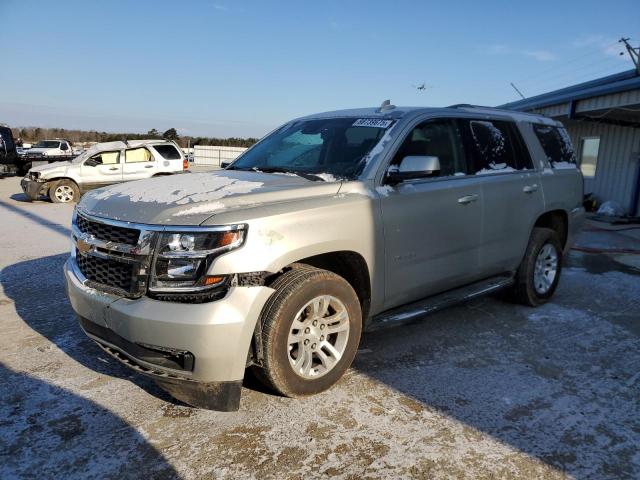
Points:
(37, 290)
(559, 383)
(51, 315)
(21, 197)
(49, 432)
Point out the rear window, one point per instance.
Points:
(168, 151)
(556, 145)
(497, 147)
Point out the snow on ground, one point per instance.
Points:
(482, 390)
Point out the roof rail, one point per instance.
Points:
(468, 105)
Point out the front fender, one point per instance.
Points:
(347, 223)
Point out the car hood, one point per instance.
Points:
(51, 169)
(192, 198)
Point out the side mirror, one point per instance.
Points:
(224, 164)
(64, 147)
(412, 167)
(91, 162)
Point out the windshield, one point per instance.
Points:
(318, 149)
(47, 144)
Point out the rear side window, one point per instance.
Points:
(136, 155)
(556, 145)
(168, 152)
(496, 147)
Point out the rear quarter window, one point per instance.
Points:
(168, 152)
(556, 145)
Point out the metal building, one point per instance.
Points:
(603, 118)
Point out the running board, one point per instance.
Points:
(412, 311)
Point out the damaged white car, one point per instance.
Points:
(101, 165)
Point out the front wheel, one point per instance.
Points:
(539, 273)
(64, 191)
(311, 330)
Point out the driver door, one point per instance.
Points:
(432, 225)
(101, 169)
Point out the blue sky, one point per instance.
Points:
(223, 68)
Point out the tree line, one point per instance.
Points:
(33, 134)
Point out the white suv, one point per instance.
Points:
(101, 165)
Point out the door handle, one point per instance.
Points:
(113, 168)
(530, 188)
(468, 199)
(148, 166)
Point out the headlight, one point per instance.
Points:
(183, 258)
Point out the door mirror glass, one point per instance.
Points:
(412, 167)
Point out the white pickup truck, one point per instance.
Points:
(101, 165)
(52, 148)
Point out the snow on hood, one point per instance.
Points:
(191, 198)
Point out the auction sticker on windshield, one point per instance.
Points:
(372, 122)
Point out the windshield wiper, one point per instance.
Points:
(308, 176)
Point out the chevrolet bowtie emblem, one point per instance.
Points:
(82, 245)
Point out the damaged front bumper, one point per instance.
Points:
(32, 188)
(196, 352)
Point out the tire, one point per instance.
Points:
(544, 253)
(64, 191)
(294, 290)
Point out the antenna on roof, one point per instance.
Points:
(634, 53)
(386, 105)
(516, 89)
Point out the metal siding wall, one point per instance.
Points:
(615, 171)
(560, 109)
(613, 100)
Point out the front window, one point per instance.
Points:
(106, 158)
(317, 149)
(441, 139)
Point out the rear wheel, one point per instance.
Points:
(311, 330)
(64, 191)
(539, 273)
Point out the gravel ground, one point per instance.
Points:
(482, 390)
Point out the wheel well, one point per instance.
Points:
(349, 265)
(555, 220)
(51, 180)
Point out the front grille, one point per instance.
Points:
(107, 272)
(108, 233)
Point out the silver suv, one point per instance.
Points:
(331, 224)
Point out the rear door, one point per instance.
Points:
(138, 163)
(511, 192)
(432, 226)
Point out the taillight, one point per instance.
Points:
(185, 164)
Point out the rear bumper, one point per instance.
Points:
(197, 352)
(31, 188)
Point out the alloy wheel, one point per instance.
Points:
(318, 337)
